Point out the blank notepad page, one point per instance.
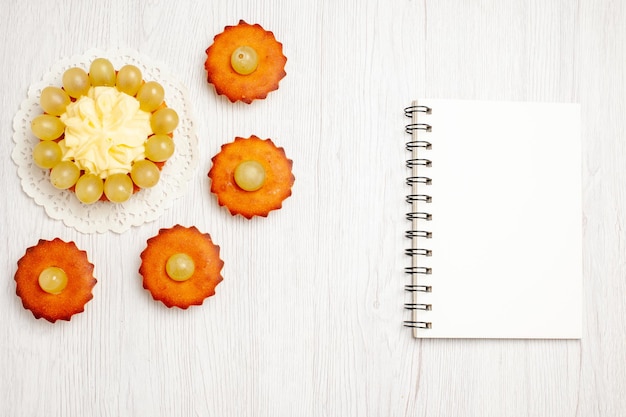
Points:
(505, 220)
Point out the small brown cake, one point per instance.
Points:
(181, 266)
(251, 176)
(54, 280)
(245, 62)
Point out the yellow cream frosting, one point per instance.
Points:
(105, 131)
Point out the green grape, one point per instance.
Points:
(244, 60)
(64, 175)
(150, 96)
(47, 154)
(76, 82)
(118, 187)
(145, 174)
(129, 79)
(89, 188)
(47, 127)
(159, 148)
(54, 100)
(250, 175)
(101, 72)
(52, 280)
(180, 267)
(164, 121)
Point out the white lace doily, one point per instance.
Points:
(144, 206)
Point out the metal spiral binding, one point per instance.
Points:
(417, 217)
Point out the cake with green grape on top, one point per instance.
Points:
(104, 133)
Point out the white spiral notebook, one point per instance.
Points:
(494, 220)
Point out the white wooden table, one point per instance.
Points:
(308, 319)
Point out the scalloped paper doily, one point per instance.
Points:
(144, 206)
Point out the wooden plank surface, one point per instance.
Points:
(308, 318)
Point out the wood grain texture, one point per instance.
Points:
(308, 318)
